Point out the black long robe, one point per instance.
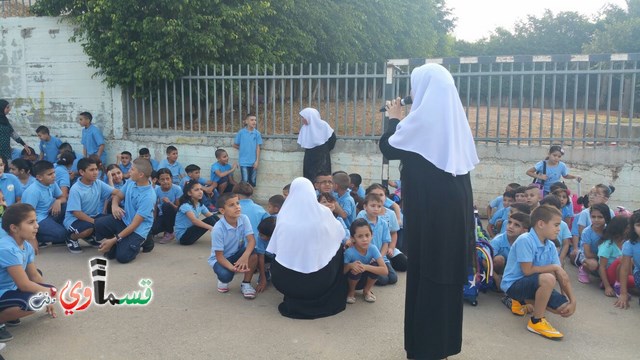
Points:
(318, 160)
(438, 232)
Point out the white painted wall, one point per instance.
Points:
(47, 78)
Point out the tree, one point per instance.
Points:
(619, 30)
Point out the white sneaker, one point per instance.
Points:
(248, 291)
(223, 287)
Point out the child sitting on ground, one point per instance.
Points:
(146, 154)
(518, 224)
(275, 204)
(265, 230)
(168, 195)
(357, 190)
(285, 190)
(188, 227)
(533, 269)
(49, 145)
(171, 163)
(327, 199)
(609, 253)
(587, 258)
(210, 194)
(63, 172)
(498, 203)
(221, 177)
(21, 169)
(630, 262)
(341, 185)
(362, 262)
(232, 245)
(253, 211)
(501, 215)
(123, 160)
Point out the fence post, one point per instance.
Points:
(388, 90)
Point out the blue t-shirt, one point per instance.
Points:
(12, 255)
(139, 200)
(30, 181)
(361, 192)
(527, 249)
(564, 233)
(347, 233)
(11, 188)
(176, 170)
(633, 251)
(154, 164)
(501, 246)
(381, 234)
(497, 203)
(590, 237)
(62, 176)
(41, 198)
(609, 250)
(229, 239)
(352, 255)
(91, 140)
(186, 179)
(183, 222)
(584, 219)
(172, 194)
(125, 168)
(219, 167)
(261, 246)
(554, 173)
(254, 212)
(248, 141)
(501, 214)
(50, 149)
(86, 198)
(388, 216)
(347, 204)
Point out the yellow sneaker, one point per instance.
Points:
(543, 328)
(517, 308)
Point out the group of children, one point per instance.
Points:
(534, 229)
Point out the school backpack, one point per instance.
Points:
(480, 276)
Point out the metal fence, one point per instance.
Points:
(15, 8)
(585, 100)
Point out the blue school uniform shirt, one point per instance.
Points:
(172, 194)
(584, 219)
(501, 246)
(554, 173)
(567, 211)
(186, 179)
(352, 255)
(176, 170)
(16, 153)
(229, 239)
(12, 255)
(125, 168)
(50, 149)
(86, 198)
(589, 237)
(361, 192)
(254, 212)
(347, 233)
(11, 188)
(183, 222)
(154, 164)
(609, 250)
(62, 176)
(528, 249)
(218, 167)
(91, 140)
(30, 181)
(564, 233)
(248, 142)
(139, 200)
(501, 214)
(347, 204)
(388, 216)
(633, 251)
(497, 203)
(41, 197)
(261, 246)
(381, 234)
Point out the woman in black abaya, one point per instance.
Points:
(318, 139)
(437, 151)
(7, 133)
(308, 268)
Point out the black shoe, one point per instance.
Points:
(42, 245)
(148, 244)
(92, 241)
(73, 246)
(5, 335)
(13, 323)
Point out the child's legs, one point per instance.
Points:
(108, 227)
(244, 172)
(352, 283)
(51, 231)
(225, 275)
(390, 278)
(253, 176)
(80, 229)
(540, 288)
(399, 261)
(590, 264)
(14, 304)
(498, 264)
(128, 248)
(253, 264)
(168, 217)
(613, 275)
(369, 284)
(194, 232)
(565, 250)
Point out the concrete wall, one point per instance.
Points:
(47, 78)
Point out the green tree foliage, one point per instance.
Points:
(132, 42)
(619, 30)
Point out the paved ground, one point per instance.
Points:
(189, 319)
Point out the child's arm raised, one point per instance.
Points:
(623, 274)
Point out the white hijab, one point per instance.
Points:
(437, 127)
(316, 132)
(307, 235)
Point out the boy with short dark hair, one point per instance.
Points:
(347, 203)
(92, 139)
(533, 196)
(232, 246)
(85, 203)
(171, 163)
(500, 216)
(209, 198)
(221, 176)
(357, 190)
(146, 154)
(533, 269)
(275, 204)
(127, 231)
(254, 212)
(518, 224)
(49, 145)
(285, 190)
(248, 141)
(123, 160)
(47, 199)
(521, 196)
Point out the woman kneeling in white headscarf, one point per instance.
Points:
(308, 268)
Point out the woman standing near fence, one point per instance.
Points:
(7, 132)
(437, 151)
(318, 139)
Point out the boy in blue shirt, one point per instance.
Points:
(85, 203)
(49, 145)
(124, 163)
(9, 184)
(46, 197)
(275, 204)
(253, 211)
(92, 139)
(518, 224)
(146, 154)
(127, 231)
(221, 176)
(533, 269)
(171, 163)
(341, 183)
(502, 214)
(265, 230)
(232, 246)
(209, 198)
(381, 235)
(248, 141)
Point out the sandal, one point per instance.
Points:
(351, 300)
(370, 297)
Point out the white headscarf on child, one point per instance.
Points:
(316, 132)
(437, 127)
(307, 235)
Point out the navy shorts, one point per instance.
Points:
(525, 289)
(17, 298)
(79, 226)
